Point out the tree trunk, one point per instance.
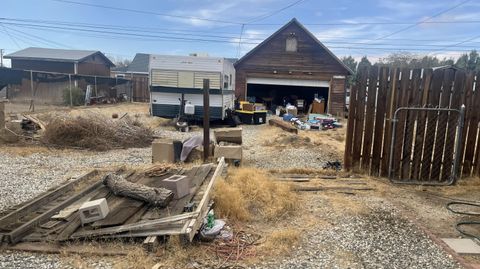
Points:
(154, 196)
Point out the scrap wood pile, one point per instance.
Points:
(120, 204)
(96, 131)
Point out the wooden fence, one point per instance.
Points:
(423, 139)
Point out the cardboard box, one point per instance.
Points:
(318, 107)
(163, 151)
(233, 135)
(292, 111)
(93, 210)
(229, 152)
(248, 107)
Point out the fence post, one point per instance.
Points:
(206, 119)
(70, 89)
(32, 103)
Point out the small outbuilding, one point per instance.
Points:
(290, 65)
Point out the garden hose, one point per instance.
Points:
(465, 223)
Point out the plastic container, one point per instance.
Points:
(259, 117)
(189, 109)
(246, 117)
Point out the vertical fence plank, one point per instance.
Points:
(379, 120)
(469, 135)
(442, 121)
(413, 101)
(433, 101)
(401, 101)
(369, 118)
(360, 116)
(391, 99)
(348, 158)
(420, 127)
(455, 103)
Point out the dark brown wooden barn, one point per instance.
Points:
(292, 64)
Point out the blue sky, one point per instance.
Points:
(168, 26)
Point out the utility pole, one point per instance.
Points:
(1, 57)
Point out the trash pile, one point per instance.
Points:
(96, 131)
(313, 122)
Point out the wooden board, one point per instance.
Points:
(473, 120)
(284, 125)
(433, 101)
(420, 126)
(402, 101)
(379, 120)
(391, 101)
(369, 119)
(359, 119)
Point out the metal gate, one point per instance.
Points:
(431, 154)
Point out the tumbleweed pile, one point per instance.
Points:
(96, 131)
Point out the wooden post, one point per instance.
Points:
(32, 104)
(70, 88)
(206, 119)
(2, 115)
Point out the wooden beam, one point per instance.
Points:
(206, 119)
(284, 125)
(203, 206)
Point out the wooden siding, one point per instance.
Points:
(311, 62)
(48, 66)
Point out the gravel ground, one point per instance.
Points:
(25, 177)
(380, 239)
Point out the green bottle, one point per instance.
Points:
(210, 219)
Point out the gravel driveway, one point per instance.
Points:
(379, 239)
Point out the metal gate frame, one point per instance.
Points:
(458, 137)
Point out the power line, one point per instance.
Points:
(455, 44)
(9, 35)
(268, 15)
(423, 21)
(138, 11)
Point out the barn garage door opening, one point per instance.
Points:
(274, 95)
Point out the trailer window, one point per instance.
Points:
(225, 82)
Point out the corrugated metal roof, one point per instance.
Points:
(54, 54)
(140, 63)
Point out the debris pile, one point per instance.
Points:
(97, 132)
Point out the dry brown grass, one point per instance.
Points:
(97, 132)
(177, 255)
(136, 259)
(251, 194)
(281, 242)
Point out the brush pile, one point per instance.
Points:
(97, 132)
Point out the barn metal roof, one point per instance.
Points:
(62, 55)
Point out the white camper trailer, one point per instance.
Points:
(174, 76)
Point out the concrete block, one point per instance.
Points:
(93, 210)
(462, 245)
(178, 184)
(233, 135)
(229, 152)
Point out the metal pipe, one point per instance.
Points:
(457, 146)
(456, 158)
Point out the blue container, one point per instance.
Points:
(287, 117)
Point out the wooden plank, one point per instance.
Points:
(16, 235)
(471, 101)
(460, 79)
(369, 118)
(420, 126)
(441, 129)
(381, 107)
(151, 224)
(284, 125)
(413, 101)
(202, 209)
(36, 203)
(359, 120)
(429, 140)
(402, 101)
(391, 101)
(352, 108)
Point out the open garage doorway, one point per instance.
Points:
(279, 95)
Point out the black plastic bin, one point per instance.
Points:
(259, 117)
(246, 117)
